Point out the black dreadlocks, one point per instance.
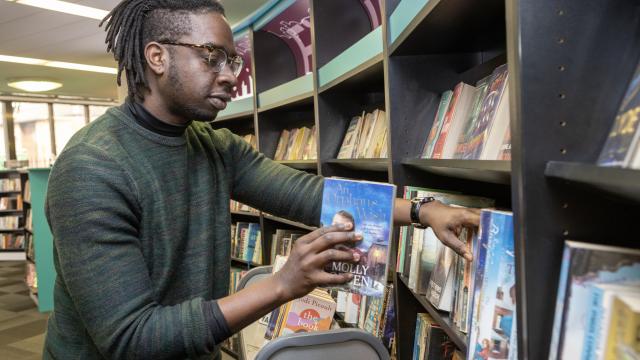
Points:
(132, 24)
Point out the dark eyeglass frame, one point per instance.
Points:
(234, 61)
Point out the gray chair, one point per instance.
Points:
(353, 344)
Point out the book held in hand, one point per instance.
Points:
(369, 207)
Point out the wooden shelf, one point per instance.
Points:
(300, 164)
(362, 164)
(245, 213)
(11, 250)
(624, 183)
(11, 230)
(11, 212)
(243, 263)
(492, 171)
(10, 192)
(441, 317)
(288, 222)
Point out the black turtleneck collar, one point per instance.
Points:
(152, 123)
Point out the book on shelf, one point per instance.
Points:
(585, 266)
(467, 131)
(11, 241)
(430, 340)
(486, 135)
(246, 242)
(494, 301)
(445, 99)
(27, 191)
(251, 139)
(622, 147)
(366, 137)
(297, 144)
(10, 184)
(622, 340)
(282, 241)
(234, 278)
(453, 123)
(368, 206)
(238, 206)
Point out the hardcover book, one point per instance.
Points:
(584, 265)
(454, 121)
(310, 313)
(622, 144)
(465, 135)
(437, 124)
(369, 207)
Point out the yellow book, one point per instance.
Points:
(282, 145)
(623, 341)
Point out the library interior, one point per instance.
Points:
(319, 179)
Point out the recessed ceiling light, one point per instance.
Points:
(58, 64)
(34, 85)
(65, 7)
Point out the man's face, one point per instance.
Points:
(191, 89)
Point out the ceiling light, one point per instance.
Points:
(34, 85)
(58, 64)
(65, 7)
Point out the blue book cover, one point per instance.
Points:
(588, 265)
(493, 330)
(253, 236)
(624, 135)
(369, 206)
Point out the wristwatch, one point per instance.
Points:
(416, 204)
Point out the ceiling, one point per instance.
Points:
(37, 33)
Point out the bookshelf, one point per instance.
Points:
(12, 196)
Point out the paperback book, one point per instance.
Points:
(368, 206)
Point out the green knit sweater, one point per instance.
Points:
(141, 229)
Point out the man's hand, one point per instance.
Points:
(447, 222)
(304, 269)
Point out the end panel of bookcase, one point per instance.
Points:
(42, 239)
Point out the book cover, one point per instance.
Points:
(445, 99)
(465, 135)
(495, 138)
(388, 330)
(440, 291)
(352, 310)
(622, 141)
(505, 148)
(369, 206)
(282, 145)
(310, 144)
(453, 121)
(291, 141)
(480, 131)
(622, 339)
(373, 316)
(583, 266)
(364, 135)
(310, 313)
(377, 135)
(346, 150)
(494, 293)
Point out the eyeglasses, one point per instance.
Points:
(217, 57)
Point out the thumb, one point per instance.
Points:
(448, 238)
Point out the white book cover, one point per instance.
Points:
(460, 117)
(499, 128)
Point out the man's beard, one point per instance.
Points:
(184, 109)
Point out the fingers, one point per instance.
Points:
(337, 255)
(310, 237)
(334, 239)
(449, 239)
(325, 278)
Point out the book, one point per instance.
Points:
(482, 129)
(309, 152)
(283, 141)
(492, 325)
(364, 136)
(377, 135)
(369, 207)
(350, 136)
(440, 289)
(310, 313)
(621, 146)
(466, 133)
(454, 121)
(599, 315)
(445, 99)
(584, 265)
(622, 339)
(430, 339)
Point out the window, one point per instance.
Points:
(32, 133)
(3, 155)
(95, 111)
(68, 119)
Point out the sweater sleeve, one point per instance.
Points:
(272, 187)
(93, 211)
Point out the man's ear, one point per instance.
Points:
(157, 57)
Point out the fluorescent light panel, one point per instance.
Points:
(58, 64)
(65, 7)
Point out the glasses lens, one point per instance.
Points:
(217, 59)
(236, 65)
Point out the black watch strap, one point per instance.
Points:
(416, 204)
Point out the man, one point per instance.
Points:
(138, 202)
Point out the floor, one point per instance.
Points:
(21, 325)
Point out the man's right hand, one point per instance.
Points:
(304, 269)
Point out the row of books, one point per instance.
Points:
(282, 241)
(27, 191)
(238, 206)
(366, 137)
(11, 241)
(430, 341)
(622, 147)
(11, 203)
(31, 277)
(11, 184)
(234, 278)
(246, 242)
(9, 222)
(297, 144)
(598, 304)
(472, 122)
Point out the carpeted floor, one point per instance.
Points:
(22, 327)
